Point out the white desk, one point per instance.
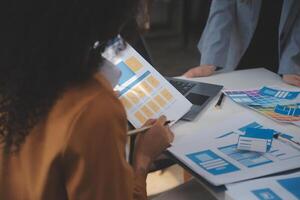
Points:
(243, 79)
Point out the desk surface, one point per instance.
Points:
(243, 79)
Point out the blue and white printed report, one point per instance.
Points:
(213, 153)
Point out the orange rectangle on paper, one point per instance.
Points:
(139, 92)
(153, 106)
(160, 100)
(133, 64)
(132, 97)
(166, 94)
(126, 103)
(146, 87)
(153, 81)
(140, 117)
(147, 111)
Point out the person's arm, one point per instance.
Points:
(94, 158)
(149, 146)
(215, 39)
(292, 79)
(289, 65)
(201, 70)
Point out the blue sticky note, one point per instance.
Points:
(260, 133)
(256, 139)
(251, 125)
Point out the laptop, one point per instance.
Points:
(198, 93)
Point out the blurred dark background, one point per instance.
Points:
(176, 27)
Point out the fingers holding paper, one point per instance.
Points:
(168, 133)
(150, 122)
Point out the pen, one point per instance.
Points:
(287, 138)
(143, 129)
(220, 100)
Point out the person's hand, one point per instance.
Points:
(292, 79)
(201, 70)
(151, 144)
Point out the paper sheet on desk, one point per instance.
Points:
(274, 188)
(143, 91)
(214, 156)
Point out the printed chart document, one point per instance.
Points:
(272, 188)
(279, 105)
(143, 91)
(213, 153)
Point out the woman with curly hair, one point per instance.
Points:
(62, 129)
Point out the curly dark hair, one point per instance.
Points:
(45, 47)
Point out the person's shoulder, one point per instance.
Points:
(101, 118)
(106, 98)
(95, 97)
(105, 105)
(102, 102)
(78, 96)
(96, 112)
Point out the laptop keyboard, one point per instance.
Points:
(182, 86)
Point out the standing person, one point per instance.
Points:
(251, 33)
(62, 129)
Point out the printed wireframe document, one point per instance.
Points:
(276, 188)
(144, 92)
(214, 155)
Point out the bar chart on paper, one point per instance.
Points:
(144, 93)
